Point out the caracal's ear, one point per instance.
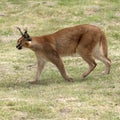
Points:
(25, 31)
(20, 31)
(27, 36)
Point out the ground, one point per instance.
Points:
(96, 97)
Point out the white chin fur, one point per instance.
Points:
(29, 42)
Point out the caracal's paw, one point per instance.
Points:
(70, 80)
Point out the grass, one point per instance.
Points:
(97, 97)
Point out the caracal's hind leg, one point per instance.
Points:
(86, 55)
(91, 62)
(98, 54)
(106, 62)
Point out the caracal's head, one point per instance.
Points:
(24, 40)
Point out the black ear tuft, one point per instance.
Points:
(20, 30)
(25, 30)
(27, 37)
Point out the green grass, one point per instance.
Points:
(97, 97)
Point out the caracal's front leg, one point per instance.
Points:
(41, 64)
(56, 60)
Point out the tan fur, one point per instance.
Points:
(86, 40)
